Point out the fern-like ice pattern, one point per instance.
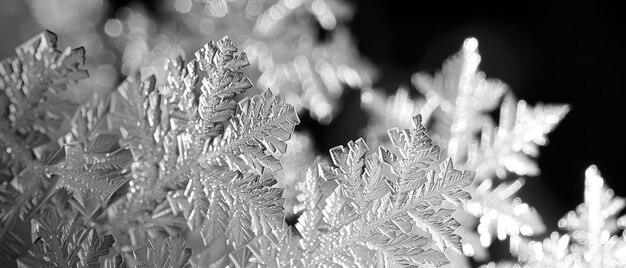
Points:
(136, 168)
(31, 84)
(457, 104)
(383, 209)
(194, 148)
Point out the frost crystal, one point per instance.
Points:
(511, 146)
(358, 212)
(34, 80)
(93, 171)
(32, 84)
(163, 252)
(281, 39)
(64, 242)
(286, 54)
(138, 158)
(195, 148)
(117, 180)
(591, 240)
(457, 104)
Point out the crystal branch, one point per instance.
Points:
(354, 214)
(592, 238)
(457, 104)
(32, 85)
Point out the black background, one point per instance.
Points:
(546, 52)
(549, 53)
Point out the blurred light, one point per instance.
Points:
(183, 6)
(318, 7)
(485, 239)
(113, 27)
(526, 230)
(207, 25)
(217, 8)
(366, 98)
(468, 250)
(470, 44)
(276, 13)
(324, 15)
(254, 9)
(292, 4)
(593, 178)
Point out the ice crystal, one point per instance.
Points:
(33, 84)
(188, 131)
(457, 103)
(191, 148)
(458, 98)
(280, 38)
(512, 216)
(354, 214)
(64, 242)
(34, 79)
(591, 239)
(92, 170)
(163, 252)
(286, 52)
(511, 146)
(386, 113)
(80, 22)
(190, 137)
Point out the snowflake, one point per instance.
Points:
(457, 104)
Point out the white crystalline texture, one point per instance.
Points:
(457, 104)
(373, 216)
(32, 85)
(194, 143)
(197, 151)
(93, 171)
(64, 242)
(129, 156)
(34, 79)
(163, 252)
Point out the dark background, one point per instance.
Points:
(550, 53)
(546, 52)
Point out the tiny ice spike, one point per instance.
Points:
(591, 240)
